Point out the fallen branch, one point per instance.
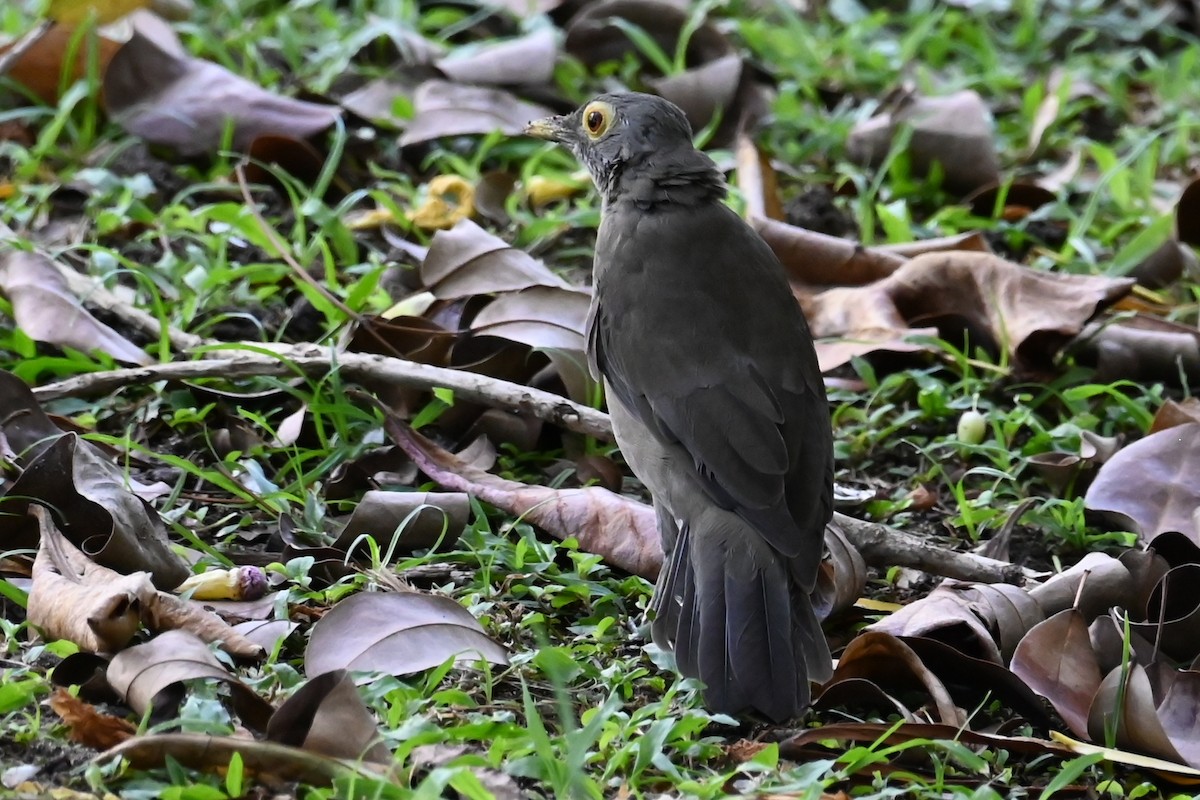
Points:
(365, 368)
(884, 546)
(880, 545)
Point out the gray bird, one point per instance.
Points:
(717, 404)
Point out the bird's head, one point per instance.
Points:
(628, 141)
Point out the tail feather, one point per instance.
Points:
(742, 624)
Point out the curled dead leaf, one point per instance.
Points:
(954, 131)
(327, 716)
(1153, 485)
(1026, 313)
(150, 676)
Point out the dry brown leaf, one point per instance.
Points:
(150, 677)
(87, 725)
(889, 663)
(467, 260)
(1141, 348)
(1175, 412)
(1187, 214)
(623, 531)
(266, 762)
(94, 509)
(40, 68)
(166, 612)
(1056, 660)
(756, 181)
(954, 131)
(1026, 313)
(983, 620)
(397, 633)
(1171, 616)
(842, 577)
(1153, 485)
(543, 317)
(186, 103)
(405, 521)
(100, 610)
(526, 60)
(327, 716)
(1166, 265)
(75, 599)
(1094, 584)
(1124, 711)
(266, 633)
(46, 311)
(817, 259)
(705, 91)
(442, 108)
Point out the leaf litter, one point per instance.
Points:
(1108, 643)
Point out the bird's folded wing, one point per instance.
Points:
(744, 433)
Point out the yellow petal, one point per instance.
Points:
(72, 12)
(450, 199)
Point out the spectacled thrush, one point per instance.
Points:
(717, 403)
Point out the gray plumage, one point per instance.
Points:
(717, 404)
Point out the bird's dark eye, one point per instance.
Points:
(596, 119)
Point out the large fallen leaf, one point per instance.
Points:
(73, 598)
(327, 716)
(1124, 711)
(890, 664)
(397, 633)
(266, 762)
(983, 620)
(954, 131)
(543, 317)
(187, 103)
(526, 60)
(820, 259)
(40, 67)
(95, 510)
(623, 531)
(100, 610)
(1153, 485)
(1027, 313)
(442, 108)
(1141, 348)
(150, 676)
(46, 311)
(467, 260)
(1056, 660)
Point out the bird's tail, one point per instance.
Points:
(737, 620)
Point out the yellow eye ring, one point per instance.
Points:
(597, 118)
